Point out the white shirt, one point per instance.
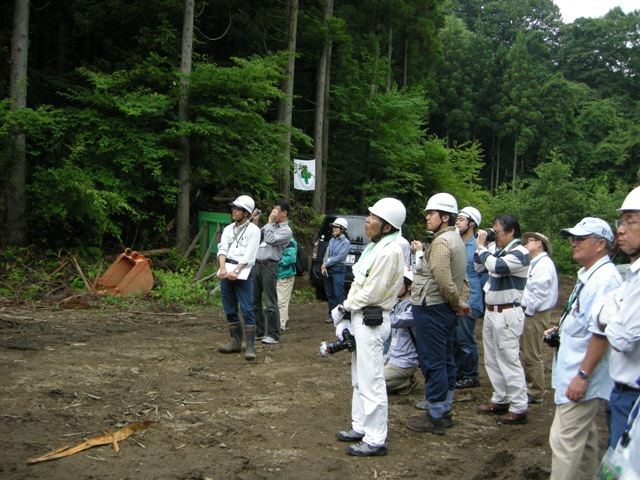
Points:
(575, 333)
(240, 243)
(623, 330)
(541, 290)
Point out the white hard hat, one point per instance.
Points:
(445, 202)
(245, 202)
(632, 202)
(408, 274)
(340, 222)
(472, 213)
(390, 210)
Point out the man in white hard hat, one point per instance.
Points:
(378, 277)
(580, 373)
(439, 294)
(540, 296)
(466, 350)
(237, 253)
(333, 264)
(623, 322)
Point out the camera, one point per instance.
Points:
(348, 343)
(552, 339)
(491, 235)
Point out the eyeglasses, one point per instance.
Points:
(579, 239)
(625, 223)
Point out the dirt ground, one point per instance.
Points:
(69, 375)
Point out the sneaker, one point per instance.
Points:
(328, 320)
(467, 382)
(270, 341)
(511, 418)
(426, 423)
(349, 435)
(535, 400)
(259, 338)
(422, 405)
(362, 449)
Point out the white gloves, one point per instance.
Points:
(342, 324)
(608, 309)
(337, 314)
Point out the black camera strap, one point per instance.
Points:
(576, 293)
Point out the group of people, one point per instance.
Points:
(256, 263)
(429, 307)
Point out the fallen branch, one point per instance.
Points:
(106, 439)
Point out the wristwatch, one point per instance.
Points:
(236, 271)
(583, 375)
(341, 308)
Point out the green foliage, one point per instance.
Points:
(176, 289)
(558, 199)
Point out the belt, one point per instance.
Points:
(623, 387)
(500, 308)
(232, 262)
(266, 261)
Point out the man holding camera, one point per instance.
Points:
(378, 277)
(580, 365)
(275, 235)
(504, 319)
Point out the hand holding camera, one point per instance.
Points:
(552, 337)
(348, 342)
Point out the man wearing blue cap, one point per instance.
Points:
(580, 374)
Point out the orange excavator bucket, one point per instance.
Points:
(130, 273)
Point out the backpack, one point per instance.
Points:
(302, 261)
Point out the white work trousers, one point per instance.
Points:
(501, 338)
(369, 407)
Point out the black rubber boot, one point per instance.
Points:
(235, 345)
(250, 335)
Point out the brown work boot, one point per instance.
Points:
(511, 418)
(495, 408)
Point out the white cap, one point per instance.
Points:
(589, 226)
(472, 213)
(390, 210)
(445, 202)
(245, 202)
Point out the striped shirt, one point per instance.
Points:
(507, 274)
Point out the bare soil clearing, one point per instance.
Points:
(68, 375)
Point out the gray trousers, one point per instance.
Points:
(265, 281)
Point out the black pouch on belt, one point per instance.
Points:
(372, 316)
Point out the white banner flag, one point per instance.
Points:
(304, 174)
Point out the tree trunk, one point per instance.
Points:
(515, 168)
(325, 133)
(389, 54)
(498, 164)
(16, 199)
(319, 195)
(285, 106)
(183, 215)
(405, 66)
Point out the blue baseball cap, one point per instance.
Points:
(589, 226)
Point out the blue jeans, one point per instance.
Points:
(435, 337)
(238, 291)
(265, 283)
(621, 404)
(334, 286)
(466, 348)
